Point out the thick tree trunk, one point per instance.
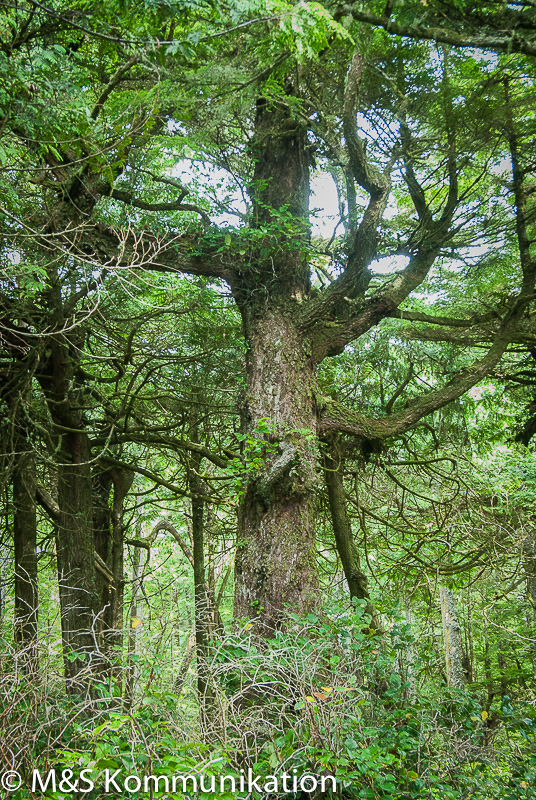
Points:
(275, 566)
(276, 563)
(76, 562)
(342, 529)
(25, 541)
(79, 601)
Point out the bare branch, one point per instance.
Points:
(129, 199)
(112, 83)
(390, 403)
(143, 250)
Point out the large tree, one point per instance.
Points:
(411, 135)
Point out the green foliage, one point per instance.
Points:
(322, 697)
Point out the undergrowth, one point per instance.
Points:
(325, 697)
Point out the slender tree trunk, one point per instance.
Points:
(102, 533)
(529, 564)
(201, 609)
(25, 541)
(202, 590)
(18, 461)
(501, 663)
(470, 666)
(452, 639)
(342, 529)
(487, 670)
(531, 594)
(108, 535)
(122, 480)
(184, 666)
(410, 655)
(4, 553)
(134, 628)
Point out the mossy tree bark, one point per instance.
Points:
(275, 566)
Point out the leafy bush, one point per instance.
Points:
(325, 696)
